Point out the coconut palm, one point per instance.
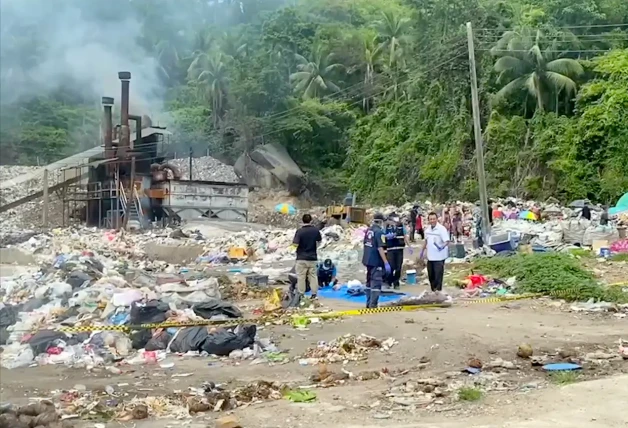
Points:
(209, 72)
(524, 65)
(393, 30)
(313, 77)
(371, 55)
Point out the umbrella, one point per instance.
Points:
(527, 215)
(579, 203)
(620, 207)
(285, 209)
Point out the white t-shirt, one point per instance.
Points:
(436, 238)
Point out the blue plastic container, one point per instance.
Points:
(411, 277)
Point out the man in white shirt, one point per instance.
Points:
(436, 249)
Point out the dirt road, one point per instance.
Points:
(443, 340)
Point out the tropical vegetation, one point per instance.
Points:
(367, 95)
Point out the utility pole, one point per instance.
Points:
(44, 214)
(477, 131)
(190, 160)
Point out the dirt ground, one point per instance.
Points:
(432, 344)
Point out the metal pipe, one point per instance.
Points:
(107, 103)
(138, 130)
(124, 141)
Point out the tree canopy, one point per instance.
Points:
(367, 95)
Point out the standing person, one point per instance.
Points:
(375, 261)
(419, 225)
(396, 242)
(456, 222)
(604, 216)
(414, 213)
(436, 249)
(446, 218)
(586, 211)
(307, 239)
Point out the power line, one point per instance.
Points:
(358, 85)
(565, 27)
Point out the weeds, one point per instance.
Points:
(469, 394)
(621, 257)
(564, 378)
(582, 253)
(553, 274)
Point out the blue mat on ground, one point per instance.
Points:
(330, 293)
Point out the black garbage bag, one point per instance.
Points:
(77, 278)
(216, 307)
(34, 303)
(8, 315)
(189, 339)
(159, 341)
(44, 339)
(153, 311)
(140, 338)
(223, 342)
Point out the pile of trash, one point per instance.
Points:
(206, 168)
(79, 292)
(345, 348)
(40, 414)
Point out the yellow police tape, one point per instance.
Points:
(271, 320)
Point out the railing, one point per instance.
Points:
(123, 199)
(138, 203)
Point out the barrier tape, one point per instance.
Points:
(264, 320)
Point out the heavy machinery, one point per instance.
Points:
(347, 212)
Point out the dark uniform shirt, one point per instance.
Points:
(374, 239)
(398, 242)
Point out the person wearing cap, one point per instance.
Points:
(326, 273)
(375, 261)
(396, 241)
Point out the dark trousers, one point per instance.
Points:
(324, 279)
(374, 279)
(412, 230)
(435, 273)
(395, 259)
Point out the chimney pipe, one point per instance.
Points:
(107, 103)
(124, 138)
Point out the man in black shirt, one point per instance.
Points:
(307, 239)
(586, 211)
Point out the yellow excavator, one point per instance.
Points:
(347, 212)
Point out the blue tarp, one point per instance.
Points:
(330, 293)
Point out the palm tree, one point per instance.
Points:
(393, 30)
(313, 77)
(209, 72)
(523, 64)
(372, 53)
(233, 45)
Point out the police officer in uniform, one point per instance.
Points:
(396, 241)
(374, 259)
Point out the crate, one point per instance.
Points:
(257, 280)
(502, 242)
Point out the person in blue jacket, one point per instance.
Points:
(326, 273)
(374, 259)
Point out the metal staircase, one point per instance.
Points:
(130, 207)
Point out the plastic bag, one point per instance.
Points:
(44, 339)
(215, 307)
(158, 342)
(189, 339)
(126, 297)
(222, 342)
(17, 356)
(154, 311)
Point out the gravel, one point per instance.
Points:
(206, 168)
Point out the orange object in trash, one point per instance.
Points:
(237, 253)
(475, 281)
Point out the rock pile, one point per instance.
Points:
(206, 168)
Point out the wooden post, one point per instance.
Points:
(44, 215)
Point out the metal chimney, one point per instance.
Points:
(124, 137)
(107, 124)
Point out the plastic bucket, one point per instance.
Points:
(605, 252)
(411, 277)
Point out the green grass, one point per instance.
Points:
(564, 378)
(558, 275)
(582, 253)
(622, 257)
(469, 394)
